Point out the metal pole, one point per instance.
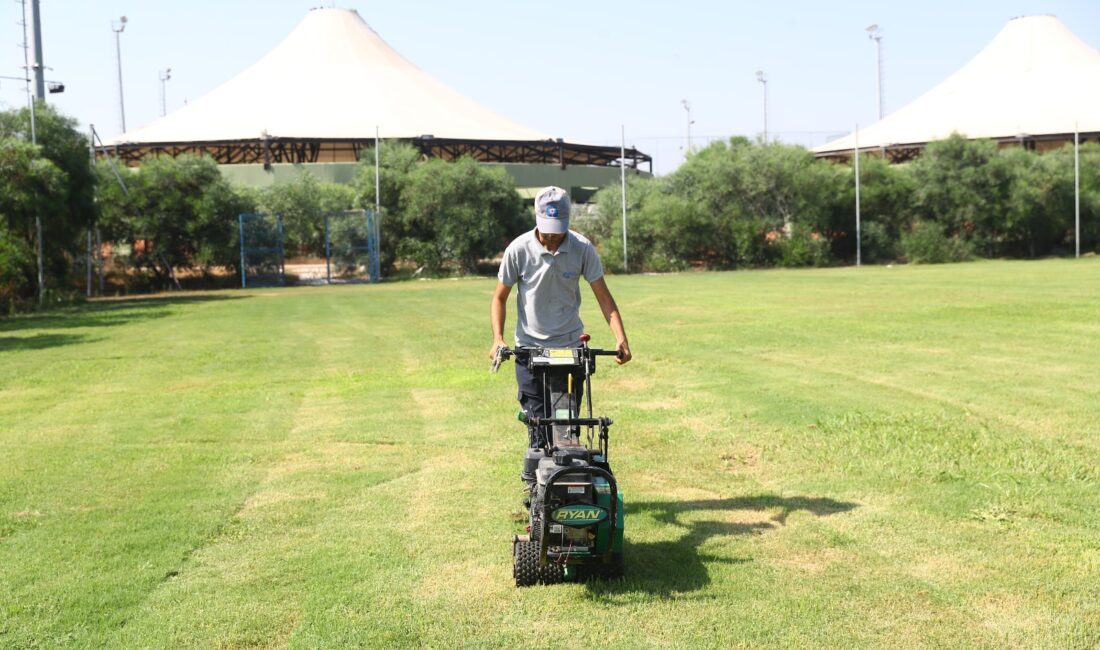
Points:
(859, 242)
(1076, 193)
(328, 252)
(687, 107)
(164, 75)
(99, 258)
(91, 163)
(765, 111)
(763, 79)
(88, 266)
(878, 74)
(377, 200)
(118, 58)
(282, 259)
(31, 101)
(622, 178)
(874, 32)
(39, 66)
(240, 220)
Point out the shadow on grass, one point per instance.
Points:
(667, 568)
(38, 341)
(105, 313)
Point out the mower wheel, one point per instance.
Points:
(526, 568)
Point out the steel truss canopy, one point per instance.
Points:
(1034, 84)
(318, 97)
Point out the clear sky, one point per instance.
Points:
(574, 69)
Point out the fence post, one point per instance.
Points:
(328, 253)
(282, 264)
(240, 220)
(372, 246)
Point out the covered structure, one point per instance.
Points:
(1034, 85)
(319, 97)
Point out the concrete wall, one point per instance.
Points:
(581, 181)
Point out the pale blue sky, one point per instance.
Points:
(573, 69)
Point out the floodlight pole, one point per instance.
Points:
(1076, 193)
(164, 75)
(859, 241)
(622, 178)
(874, 32)
(377, 202)
(88, 259)
(121, 26)
(687, 107)
(39, 67)
(31, 101)
(763, 79)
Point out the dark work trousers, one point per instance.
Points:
(532, 399)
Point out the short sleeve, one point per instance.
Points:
(509, 267)
(592, 267)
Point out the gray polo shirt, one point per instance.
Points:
(549, 295)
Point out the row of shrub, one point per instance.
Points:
(742, 204)
(734, 204)
(437, 216)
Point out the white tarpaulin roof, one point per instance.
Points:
(1035, 78)
(333, 77)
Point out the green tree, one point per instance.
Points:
(30, 185)
(303, 204)
(396, 160)
(886, 210)
(605, 230)
(179, 213)
(961, 187)
(68, 208)
(731, 203)
(1029, 226)
(1059, 202)
(456, 213)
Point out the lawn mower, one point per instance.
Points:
(575, 509)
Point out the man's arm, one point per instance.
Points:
(498, 309)
(614, 319)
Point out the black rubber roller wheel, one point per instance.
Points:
(525, 563)
(552, 573)
(526, 569)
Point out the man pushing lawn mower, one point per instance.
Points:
(575, 507)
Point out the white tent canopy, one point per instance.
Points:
(320, 94)
(1034, 81)
(333, 77)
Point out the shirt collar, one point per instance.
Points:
(537, 248)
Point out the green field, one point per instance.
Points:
(877, 457)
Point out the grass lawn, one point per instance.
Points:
(878, 457)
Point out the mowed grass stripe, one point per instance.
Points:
(876, 457)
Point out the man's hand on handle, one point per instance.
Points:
(624, 353)
(496, 353)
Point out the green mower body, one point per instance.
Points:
(575, 506)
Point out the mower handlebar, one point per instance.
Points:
(607, 353)
(503, 353)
